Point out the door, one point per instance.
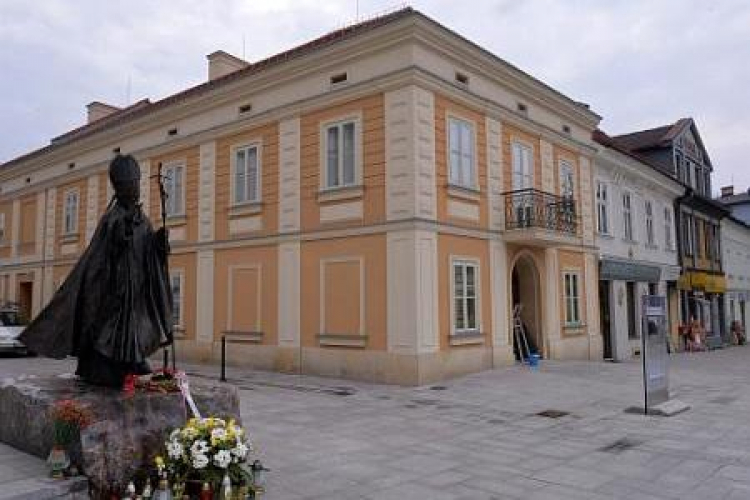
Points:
(523, 181)
(25, 294)
(604, 287)
(631, 298)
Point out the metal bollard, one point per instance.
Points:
(223, 358)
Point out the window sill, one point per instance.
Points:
(463, 192)
(69, 238)
(629, 241)
(342, 340)
(573, 329)
(176, 220)
(237, 336)
(605, 236)
(242, 209)
(466, 338)
(341, 193)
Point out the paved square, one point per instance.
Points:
(480, 436)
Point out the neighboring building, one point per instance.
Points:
(369, 205)
(678, 151)
(738, 204)
(735, 246)
(637, 241)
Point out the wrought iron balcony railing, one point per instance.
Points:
(531, 208)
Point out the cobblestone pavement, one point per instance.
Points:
(481, 436)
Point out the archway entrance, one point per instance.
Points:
(526, 292)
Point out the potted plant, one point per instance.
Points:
(68, 418)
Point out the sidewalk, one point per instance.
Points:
(557, 433)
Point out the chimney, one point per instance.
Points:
(727, 191)
(221, 63)
(98, 110)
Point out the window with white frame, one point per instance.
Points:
(463, 171)
(627, 216)
(688, 232)
(567, 179)
(176, 279)
(668, 228)
(649, 208)
(246, 178)
(465, 296)
(572, 298)
(523, 166)
(602, 208)
(174, 185)
(341, 154)
(70, 214)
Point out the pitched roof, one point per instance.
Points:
(653, 137)
(145, 106)
(735, 199)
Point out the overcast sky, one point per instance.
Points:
(638, 64)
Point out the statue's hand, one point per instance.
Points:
(162, 240)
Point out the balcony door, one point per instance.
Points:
(523, 182)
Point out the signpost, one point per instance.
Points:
(654, 352)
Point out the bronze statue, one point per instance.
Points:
(114, 309)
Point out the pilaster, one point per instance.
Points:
(410, 154)
(145, 186)
(548, 166)
(15, 228)
(207, 192)
(289, 294)
(412, 292)
(92, 200)
(289, 175)
(495, 174)
(587, 209)
(551, 311)
(500, 304)
(204, 323)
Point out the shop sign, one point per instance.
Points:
(628, 271)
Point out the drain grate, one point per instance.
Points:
(620, 445)
(552, 414)
(438, 388)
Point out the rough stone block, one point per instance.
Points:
(128, 430)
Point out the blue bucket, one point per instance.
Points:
(534, 360)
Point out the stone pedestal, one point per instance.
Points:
(128, 430)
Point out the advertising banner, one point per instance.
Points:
(654, 350)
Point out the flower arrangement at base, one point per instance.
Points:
(206, 450)
(162, 381)
(68, 418)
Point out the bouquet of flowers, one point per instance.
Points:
(206, 450)
(161, 381)
(69, 418)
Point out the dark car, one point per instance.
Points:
(12, 324)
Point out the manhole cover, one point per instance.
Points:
(620, 445)
(552, 413)
(438, 388)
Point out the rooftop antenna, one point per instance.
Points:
(243, 46)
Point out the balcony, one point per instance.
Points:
(533, 216)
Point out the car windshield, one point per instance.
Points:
(10, 318)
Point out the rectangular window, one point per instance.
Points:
(567, 179)
(465, 296)
(627, 216)
(2, 226)
(649, 223)
(341, 152)
(602, 213)
(176, 282)
(174, 185)
(572, 299)
(668, 228)
(463, 170)
(246, 175)
(687, 234)
(523, 166)
(71, 212)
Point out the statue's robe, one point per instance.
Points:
(115, 307)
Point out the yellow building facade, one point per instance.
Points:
(371, 205)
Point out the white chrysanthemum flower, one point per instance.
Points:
(240, 451)
(174, 435)
(199, 448)
(175, 449)
(189, 432)
(223, 458)
(200, 461)
(218, 434)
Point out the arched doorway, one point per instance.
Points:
(526, 292)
